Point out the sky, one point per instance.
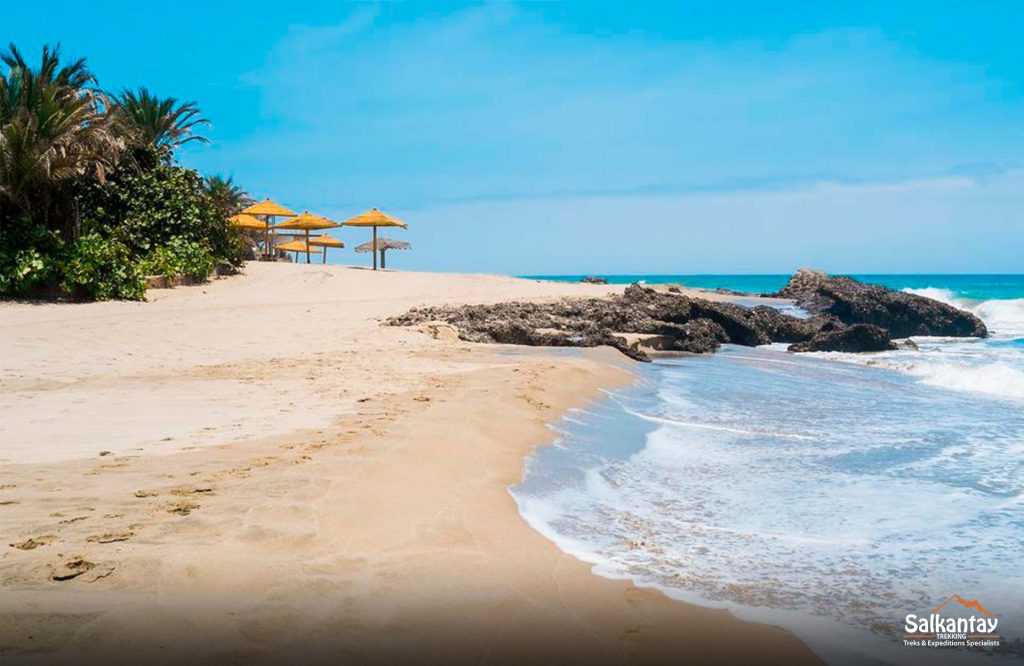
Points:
(568, 138)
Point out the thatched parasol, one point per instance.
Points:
(268, 209)
(325, 242)
(308, 222)
(297, 246)
(374, 218)
(243, 221)
(383, 244)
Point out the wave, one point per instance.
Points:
(994, 378)
(1003, 317)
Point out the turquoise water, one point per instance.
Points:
(829, 493)
(972, 287)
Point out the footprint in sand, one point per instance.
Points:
(79, 566)
(111, 537)
(182, 491)
(182, 507)
(34, 542)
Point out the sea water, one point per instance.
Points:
(832, 494)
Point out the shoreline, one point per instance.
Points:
(394, 522)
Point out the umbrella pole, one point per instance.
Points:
(382, 266)
(375, 248)
(325, 256)
(307, 246)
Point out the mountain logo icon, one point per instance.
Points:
(972, 604)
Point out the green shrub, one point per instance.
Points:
(27, 270)
(179, 257)
(29, 258)
(100, 269)
(147, 209)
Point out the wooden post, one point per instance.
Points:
(382, 266)
(375, 248)
(325, 255)
(307, 246)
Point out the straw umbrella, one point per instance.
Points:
(308, 222)
(325, 242)
(243, 221)
(268, 209)
(383, 245)
(297, 246)
(374, 218)
(248, 222)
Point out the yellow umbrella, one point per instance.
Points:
(374, 218)
(243, 221)
(297, 246)
(268, 209)
(325, 242)
(306, 222)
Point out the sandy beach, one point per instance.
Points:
(255, 471)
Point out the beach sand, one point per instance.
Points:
(255, 471)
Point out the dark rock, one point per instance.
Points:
(901, 314)
(590, 279)
(839, 338)
(674, 322)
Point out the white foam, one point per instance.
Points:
(1003, 317)
(846, 485)
(994, 378)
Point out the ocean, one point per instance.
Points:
(831, 494)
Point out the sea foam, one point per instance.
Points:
(830, 498)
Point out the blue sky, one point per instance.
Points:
(602, 137)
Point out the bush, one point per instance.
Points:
(29, 258)
(100, 269)
(147, 209)
(179, 257)
(26, 271)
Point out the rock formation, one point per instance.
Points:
(901, 314)
(848, 317)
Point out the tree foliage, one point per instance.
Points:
(158, 124)
(228, 197)
(90, 199)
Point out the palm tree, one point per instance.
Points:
(228, 198)
(53, 131)
(159, 124)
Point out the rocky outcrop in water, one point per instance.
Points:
(835, 337)
(644, 319)
(901, 314)
(590, 279)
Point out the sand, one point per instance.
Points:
(255, 471)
